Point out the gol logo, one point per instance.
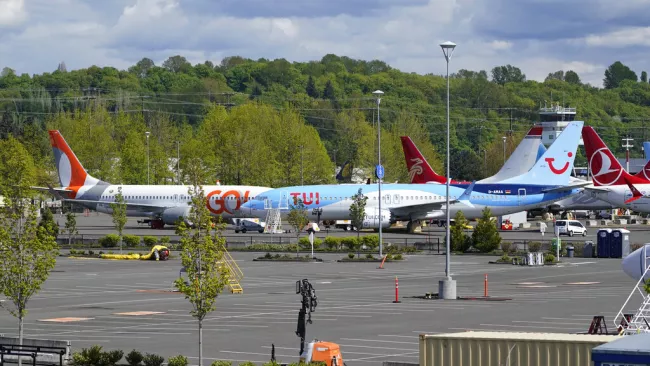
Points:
(219, 204)
(556, 170)
(601, 166)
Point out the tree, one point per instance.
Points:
(311, 88)
(28, 250)
(486, 237)
(202, 259)
(358, 211)
(558, 75)
(616, 73)
(119, 214)
(28, 255)
(70, 225)
(644, 77)
(176, 64)
(47, 222)
(572, 77)
(507, 74)
(328, 91)
(298, 218)
(460, 241)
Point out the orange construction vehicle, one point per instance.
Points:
(316, 351)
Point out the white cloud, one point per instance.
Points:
(404, 34)
(12, 12)
(633, 36)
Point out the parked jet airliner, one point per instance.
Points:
(164, 204)
(546, 182)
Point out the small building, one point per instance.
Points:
(628, 350)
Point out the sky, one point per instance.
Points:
(538, 36)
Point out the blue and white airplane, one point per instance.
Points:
(546, 182)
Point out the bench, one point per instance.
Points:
(48, 355)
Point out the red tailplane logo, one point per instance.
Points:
(305, 200)
(604, 167)
(219, 204)
(556, 170)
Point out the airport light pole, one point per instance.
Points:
(504, 149)
(379, 170)
(447, 287)
(147, 133)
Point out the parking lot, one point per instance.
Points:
(128, 304)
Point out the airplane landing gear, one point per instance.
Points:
(414, 226)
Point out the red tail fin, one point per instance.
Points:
(419, 169)
(645, 172)
(605, 168)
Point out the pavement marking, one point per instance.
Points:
(398, 336)
(64, 320)
(374, 340)
(528, 283)
(524, 326)
(133, 313)
(582, 283)
(537, 286)
(408, 354)
(394, 349)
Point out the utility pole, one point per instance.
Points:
(627, 147)
(178, 162)
(302, 181)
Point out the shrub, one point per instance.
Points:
(221, 363)
(460, 242)
(369, 256)
(109, 241)
(131, 240)
(247, 363)
(410, 250)
(332, 242)
(164, 240)
(89, 356)
(134, 358)
(268, 256)
(91, 252)
(504, 258)
(153, 360)
(351, 242)
(398, 257)
(73, 252)
(389, 256)
(486, 237)
(534, 246)
(113, 357)
(635, 246)
(549, 258)
(150, 241)
(179, 360)
(305, 244)
(370, 241)
(351, 255)
(506, 246)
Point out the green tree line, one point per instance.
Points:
(274, 122)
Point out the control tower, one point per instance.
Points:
(554, 119)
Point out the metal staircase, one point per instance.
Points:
(235, 273)
(273, 218)
(639, 322)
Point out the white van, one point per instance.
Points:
(570, 227)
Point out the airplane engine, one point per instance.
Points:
(635, 263)
(171, 215)
(372, 220)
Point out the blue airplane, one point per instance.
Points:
(546, 182)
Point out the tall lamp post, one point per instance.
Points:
(447, 287)
(147, 133)
(504, 149)
(379, 170)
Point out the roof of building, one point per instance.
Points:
(637, 343)
(562, 337)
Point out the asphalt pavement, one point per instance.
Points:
(129, 304)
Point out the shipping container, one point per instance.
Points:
(509, 348)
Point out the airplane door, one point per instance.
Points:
(387, 199)
(396, 199)
(176, 198)
(521, 197)
(284, 200)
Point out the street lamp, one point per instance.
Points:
(447, 287)
(147, 133)
(379, 171)
(302, 181)
(504, 149)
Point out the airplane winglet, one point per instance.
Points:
(465, 198)
(635, 192)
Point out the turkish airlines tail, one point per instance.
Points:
(605, 168)
(419, 169)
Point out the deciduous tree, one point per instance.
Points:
(119, 214)
(358, 210)
(616, 73)
(298, 218)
